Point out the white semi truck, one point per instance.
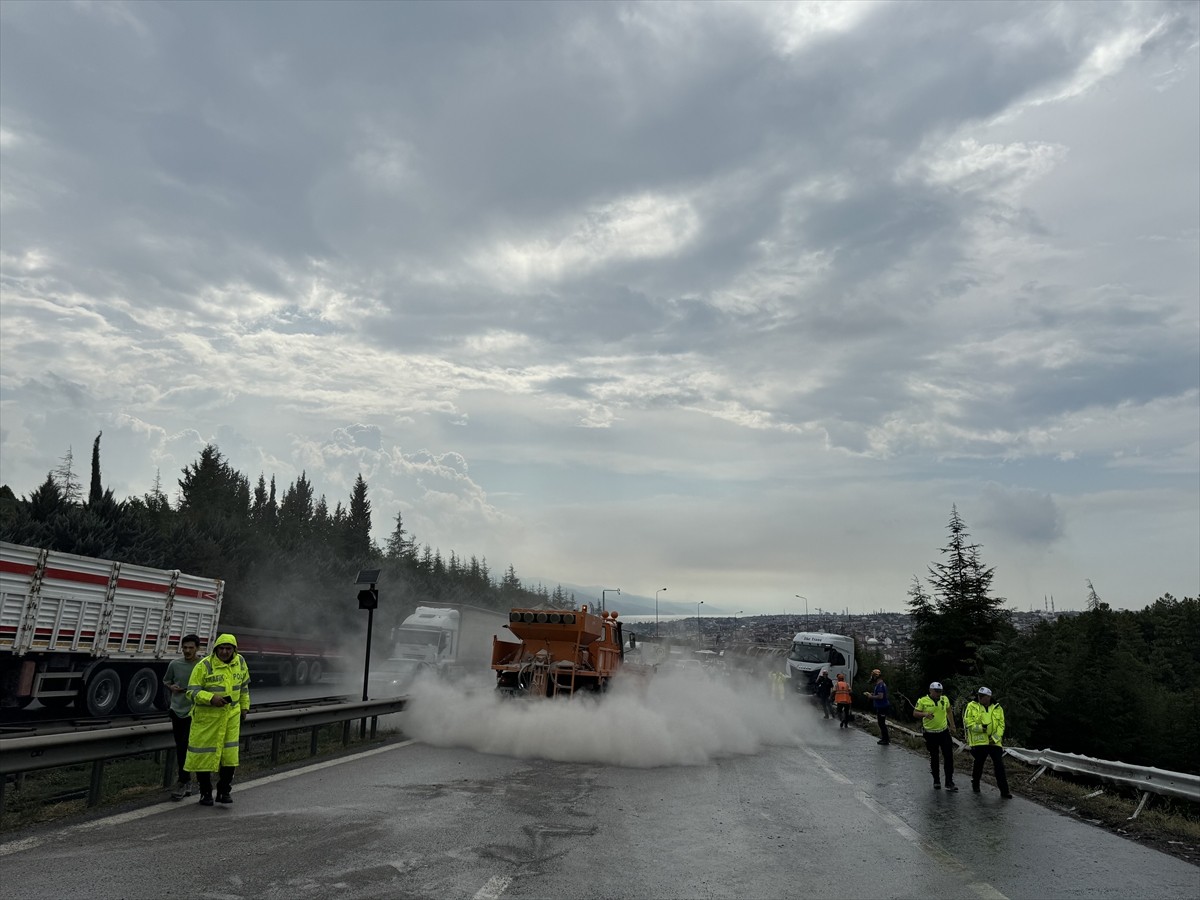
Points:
(440, 641)
(812, 651)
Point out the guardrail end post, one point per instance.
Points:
(1038, 774)
(1143, 797)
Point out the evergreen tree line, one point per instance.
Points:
(287, 559)
(1111, 684)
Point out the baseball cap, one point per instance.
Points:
(935, 686)
(987, 692)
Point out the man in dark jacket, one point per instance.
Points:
(879, 699)
(824, 687)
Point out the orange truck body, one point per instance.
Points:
(561, 652)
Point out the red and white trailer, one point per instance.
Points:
(94, 632)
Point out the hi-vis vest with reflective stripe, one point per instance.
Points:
(841, 692)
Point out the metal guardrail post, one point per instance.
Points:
(312, 740)
(94, 789)
(168, 766)
(275, 747)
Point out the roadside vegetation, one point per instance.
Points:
(288, 558)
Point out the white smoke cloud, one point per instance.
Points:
(672, 720)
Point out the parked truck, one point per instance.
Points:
(562, 652)
(440, 641)
(813, 651)
(98, 634)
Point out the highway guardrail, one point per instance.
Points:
(19, 755)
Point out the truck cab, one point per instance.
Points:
(812, 651)
(429, 635)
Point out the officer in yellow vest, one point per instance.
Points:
(983, 721)
(220, 689)
(937, 723)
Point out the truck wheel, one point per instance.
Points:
(102, 693)
(301, 671)
(286, 674)
(162, 699)
(315, 672)
(141, 691)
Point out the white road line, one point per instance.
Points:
(981, 889)
(133, 815)
(495, 886)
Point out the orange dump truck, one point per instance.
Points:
(561, 652)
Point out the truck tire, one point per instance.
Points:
(287, 674)
(315, 671)
(141, 691)
(162, 699)
(301, 671)
(101, 694)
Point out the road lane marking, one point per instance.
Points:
(495, 886)
(981, 889)
(29, 843)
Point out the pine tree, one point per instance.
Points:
(66, 479)
(400, 544)
(212, 489)
(46, 500)
(357, 530)
(961, 616)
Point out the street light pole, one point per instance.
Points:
(805, 599)
(656, 593)
(699, 634)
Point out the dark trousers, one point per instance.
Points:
(940, 743)
(180, 726)
(224, 780)
(981, 755)
(826, 706)
(881, 720)
(844, 714)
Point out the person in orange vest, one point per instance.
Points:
(842, 697)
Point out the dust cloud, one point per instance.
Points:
(676, 719)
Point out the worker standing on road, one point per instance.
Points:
(937, 723)
(983, 721)
(879, 699)
(779, 682)
(220, 689)
(842, 697)
(177, 677)
(824, 688)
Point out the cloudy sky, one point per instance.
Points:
(735, 299)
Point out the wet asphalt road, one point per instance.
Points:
(834, 815)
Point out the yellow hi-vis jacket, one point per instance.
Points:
(984, 725)
(213, 738)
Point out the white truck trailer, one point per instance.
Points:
(95, 632)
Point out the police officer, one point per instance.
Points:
(984, 724)
(220, 691)
(937, 724)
